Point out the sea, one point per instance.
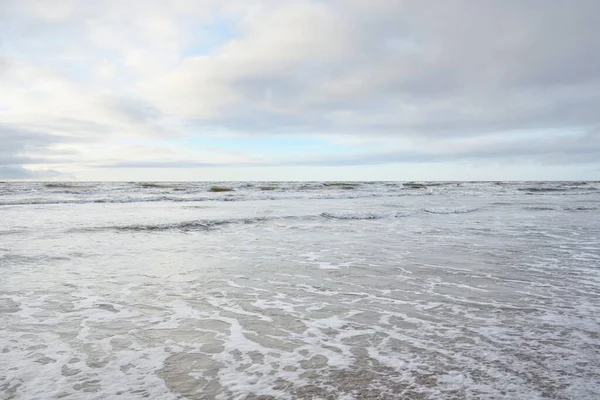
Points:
(300, 290)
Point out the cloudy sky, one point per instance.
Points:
(294, 90)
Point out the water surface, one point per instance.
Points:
(374, 290)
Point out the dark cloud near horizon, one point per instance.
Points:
(18, 173)
(20, 147)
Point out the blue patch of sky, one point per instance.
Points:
(284, 146)
(209, 37)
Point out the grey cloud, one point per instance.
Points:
(465, 68)
(137, 111)
(16, 141)
(19, 147)
(558, 150)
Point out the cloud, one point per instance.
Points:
(398, 70)
(463, 80)
(20, 146)
(19, 173)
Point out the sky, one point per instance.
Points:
(299, 90)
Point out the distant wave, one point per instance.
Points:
(539, 208)
(580, 208)
(61, 185)
(181, 199)
(565, 208)
(36, 193)
(353, 215)
(575, 183)
(576, 190)
(152, 185)
(451, 210)
(542, 189)
(22, 202)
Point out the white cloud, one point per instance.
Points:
(55, 10)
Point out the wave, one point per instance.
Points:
(96, 201)
(362, 215)
(342, 185)
(580, 208)
(575, 183)
(11, 232)
(430, 184)
(152, 185)
(139, 192)
(60, 185)
(211, 224)
(542, 189)
(186, 226)
(565, 208)
(256, 196)
(412, 185)
(451, 210)
(539, 208)
(352, 215)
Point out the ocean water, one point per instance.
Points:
(306, 290)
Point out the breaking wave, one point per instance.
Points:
(186, 226)
(210, 224)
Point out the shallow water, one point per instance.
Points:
(374, 291)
